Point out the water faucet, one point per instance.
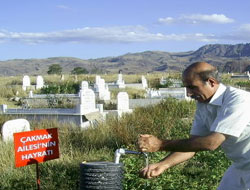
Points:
(122, 151)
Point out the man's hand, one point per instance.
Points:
(149, 143)
(153, 170)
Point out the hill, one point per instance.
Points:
(228, 58)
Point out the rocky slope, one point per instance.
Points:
(228, 58)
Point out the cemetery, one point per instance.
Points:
(85, 101)
(244, 76)
(96, 95)
(163, 111)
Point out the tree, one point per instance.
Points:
(79, 70)
(55, 69)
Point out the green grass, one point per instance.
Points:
(170, 119)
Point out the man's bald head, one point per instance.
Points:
(201, 81)
(202, 71)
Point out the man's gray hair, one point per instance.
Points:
(205, 75)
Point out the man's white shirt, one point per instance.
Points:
(228, 112)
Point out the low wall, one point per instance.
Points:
(41, 101)
(179, 93)
(133, 103)
(135, 85)
(74, 119)
(61, 115)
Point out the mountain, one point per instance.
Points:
(228, 58)
(217, 50)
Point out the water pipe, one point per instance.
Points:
(122, 151)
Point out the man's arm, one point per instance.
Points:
(182, 150)
(154, 170)
(150, 143)
(195, 143)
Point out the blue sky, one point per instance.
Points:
(100, 28)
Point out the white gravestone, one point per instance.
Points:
(153, 93)
(101, 86)
(84, 85)
(14, 126)
(62, 77)
(178, 93)
(87, 102)
(26, 82)
(120, 82)
(39, 82)
(97, 81)
(102, 89)
(123, 103)
(144, 82)
(31, 94)
(107, 94)
(163, 81)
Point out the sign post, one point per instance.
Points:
(37, 177)
(33, 147)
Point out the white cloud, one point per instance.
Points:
(166, 20)
(197, 18)
(242, 34)
(63, 7)
(244, 28)
(121, 34)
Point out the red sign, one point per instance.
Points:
(36, 146)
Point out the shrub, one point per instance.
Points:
(79, 70)
(61, 88)
(55, 69)
(243, 84)
(132, 93)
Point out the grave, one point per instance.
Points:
(30, 94)
(143, 85)
(26, 82)
(243, 76)
(144, 82)
(84, 85)
(151, 93)
(123, 103)
(104, 93)
(178, 93)
(14, 126)
(163, 81)
(101, 89)
(39, 82)
(97, 83)
(120, 82)
(97, 79)
(175, 83)
(87, 102)
(62, 77)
